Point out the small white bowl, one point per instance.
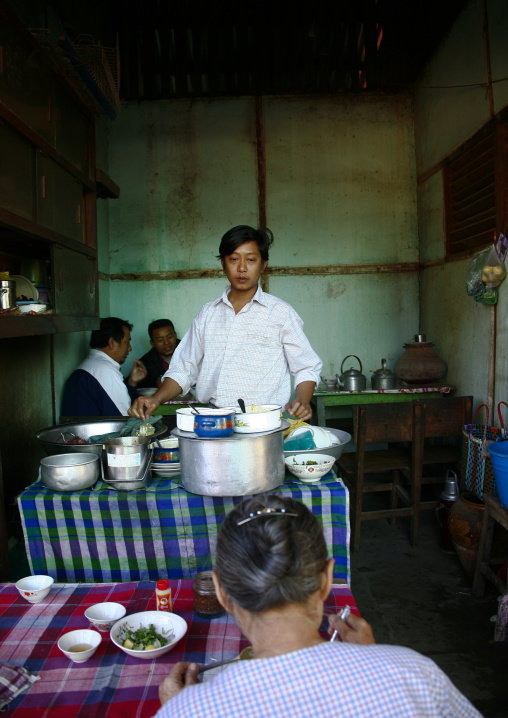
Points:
(77, 639)
(161, 620)
(147, 391)
(165, 443)
(297, 465)
(103, 616)
(34, 589)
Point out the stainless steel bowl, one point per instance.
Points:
(70, 472)
(53, 443)
(342, 438)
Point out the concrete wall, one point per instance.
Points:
(451, 104)
(341, 190)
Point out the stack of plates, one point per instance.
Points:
(163, 468)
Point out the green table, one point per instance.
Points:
(170, 408)
(323, 399)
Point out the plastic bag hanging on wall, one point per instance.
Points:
(486, 271)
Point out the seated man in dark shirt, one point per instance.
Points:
(97, 387)
(164, 342)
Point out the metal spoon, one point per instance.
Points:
(242, 406)
(343, 614)
(245, 654)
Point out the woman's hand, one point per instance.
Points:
(353, 630)
(182, 674)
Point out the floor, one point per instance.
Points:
(421, 598)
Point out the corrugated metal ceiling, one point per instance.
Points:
(198, 48)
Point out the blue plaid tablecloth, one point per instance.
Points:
(102, 535)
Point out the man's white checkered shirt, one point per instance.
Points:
(248, 355)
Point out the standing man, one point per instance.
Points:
(245, 344)
(97, 387)
(164, 342)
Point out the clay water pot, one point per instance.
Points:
(465, 527)
(420, 364)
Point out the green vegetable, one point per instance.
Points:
(144, 639)
(304, 463)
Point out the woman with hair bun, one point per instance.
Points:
(273, 574)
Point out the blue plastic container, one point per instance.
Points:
(498, 451)
(214, 425)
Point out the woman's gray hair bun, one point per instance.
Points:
(274, 559)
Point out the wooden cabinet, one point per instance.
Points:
(48, 189)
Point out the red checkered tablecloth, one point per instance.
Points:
(110, 684)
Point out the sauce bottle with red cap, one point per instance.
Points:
(163, 595)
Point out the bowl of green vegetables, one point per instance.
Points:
(309, 467)
(148, 634)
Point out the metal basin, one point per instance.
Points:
(51, 437)
(342, 438)
(70, 472)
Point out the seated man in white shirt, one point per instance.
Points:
(97, 387)
(245, 344)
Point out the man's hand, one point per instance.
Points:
(138, 373)
(299, 409)
(182, 674)
(143, 407)
(353, 630)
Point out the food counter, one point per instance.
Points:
(127, 686)
(101, 534)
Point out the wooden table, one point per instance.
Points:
(325, 399)
(111, 683)
(494, 512)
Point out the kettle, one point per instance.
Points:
(383, 378)
(352, 379)
(450, 490)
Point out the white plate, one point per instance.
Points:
(165, 472)
(161, 620)
(25, 286)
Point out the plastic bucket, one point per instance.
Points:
(127, 462)
(498, 451)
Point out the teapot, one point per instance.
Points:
(352, 379)
(383, 378)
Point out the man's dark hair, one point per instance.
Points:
(111, 327)
(158, 324)
(243, 233)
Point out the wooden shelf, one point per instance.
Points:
(32, 325)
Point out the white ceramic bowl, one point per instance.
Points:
(161, 620)
(103, 616)
(77, 639)
(147, 391)
(165, 443)
(298, 466)
(34, 589)
(33, 307)
(257, 418)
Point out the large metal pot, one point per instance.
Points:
(69, 472)
(236, 465)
